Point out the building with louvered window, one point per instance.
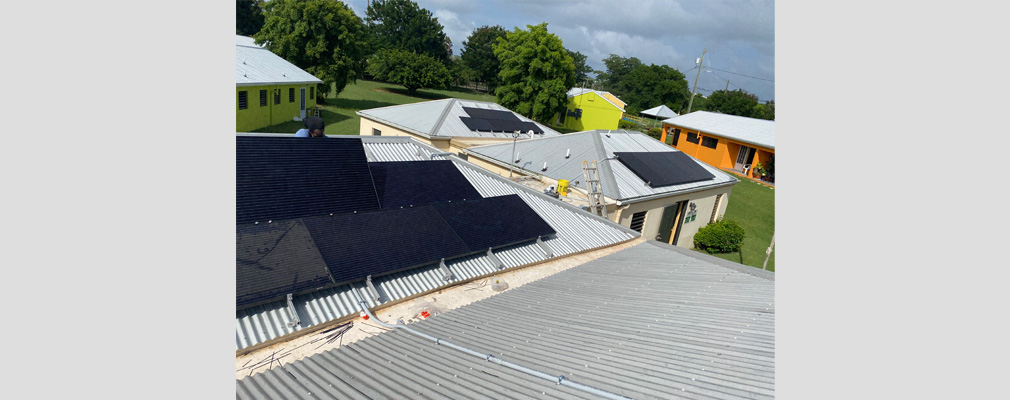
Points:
(268, 89)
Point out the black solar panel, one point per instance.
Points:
(286, 177)
(482, 113)
(415, 183)
(272, 260)
(357, 245)
(477, 124)
(664, 168)
(493, 221)
(512, 126)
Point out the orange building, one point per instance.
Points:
(725, 141)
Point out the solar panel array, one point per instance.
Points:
(493, 221)
(275, 259)
(666, 168)
(280, 178)
(484, 120)
(413, 183)
(313, 212)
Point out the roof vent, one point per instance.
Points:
(545, 166)
(517, 157)
(568, 154)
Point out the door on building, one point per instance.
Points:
(744, 158)
(669, 228)
(676, 137)
(301, 107)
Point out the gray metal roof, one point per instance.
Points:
(661, 111)
(750, 130)
(577, 230)
(650, 321)
(580, 91)
(441, 118)
(255, 65)
(617, 180)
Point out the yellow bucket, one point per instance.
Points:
(563, 187)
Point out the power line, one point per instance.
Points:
(734, 73)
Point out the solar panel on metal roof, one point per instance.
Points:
(272, 260)
(493, 221)
(512, 126)
(483, 113)
(475, 124)
(664, 168)
(415, 183)
(286, 177)
(357, 245)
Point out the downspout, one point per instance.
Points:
(560, 379)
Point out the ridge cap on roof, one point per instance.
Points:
(407, 104)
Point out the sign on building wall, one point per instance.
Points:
(691, 215)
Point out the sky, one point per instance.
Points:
(739, 35)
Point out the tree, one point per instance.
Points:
(536, 72)
(411, 70)
(401, 24)
(766, 110)
(478, 54)
(462, 75)
(323, 37)
(734, 102)
(248, 17)
(582, 70)
(644, 86)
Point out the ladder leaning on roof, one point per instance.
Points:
(594, 190)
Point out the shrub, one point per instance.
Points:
(725, 236)
(656, 133)
(625, 124)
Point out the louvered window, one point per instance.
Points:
(263, 98)
(243, 102)
(637, 220)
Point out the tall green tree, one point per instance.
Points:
(409, 69)
(644, 86)
(402, 24)
(323, 37)
(478, 54)
(582, 70)
(248, 17)
(536, 72)
(734, 102)
(766, 110)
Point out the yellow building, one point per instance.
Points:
(268, 89)
(590, 109)
(725, 141)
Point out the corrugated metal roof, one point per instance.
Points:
(255, 65)
(618, 181)
(661, 111)
(650, 321)
(750, 130)
(441, 118)
(573, 92)
(577, 230)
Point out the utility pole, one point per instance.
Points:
(695, 89)
(727, 85)
(768, 253)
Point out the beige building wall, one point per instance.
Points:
(366, 129)
(705, 202)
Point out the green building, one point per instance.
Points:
(269, 89)
(590, 109)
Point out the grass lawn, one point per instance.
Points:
(338, 112)
(752, 205)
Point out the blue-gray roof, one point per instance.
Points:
(441, 118)
(650, 321)
(255, 65)
(760, 132)
(618, 182)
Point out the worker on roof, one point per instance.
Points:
(314, 127)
